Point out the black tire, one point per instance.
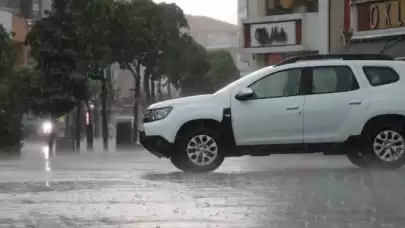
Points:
(369, 157)
(182, 161)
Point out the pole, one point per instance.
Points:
(78, 125)
(104, 113)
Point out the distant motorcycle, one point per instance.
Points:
(49, 129)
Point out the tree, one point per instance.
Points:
(72, 46)
(137, 26)
(52, 45)
(94, 20)
(196, 71)
(169, 28)
(188, 70)
(223, 69)
(14, 95)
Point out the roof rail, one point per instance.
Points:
(335, 56)
(400, 58)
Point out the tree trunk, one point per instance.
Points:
(160, 90)
(169, 90)
(110, 95)
(78, 125)
(136, 107)
(137, 87)
(67, 125)
(96, 119)
(104, 113)
(146, 86)
(153, 89)
(89, 127)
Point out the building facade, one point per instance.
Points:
(375, 26)
(242, 59)
(272, 30)
(13, 17)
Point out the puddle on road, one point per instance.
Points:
(59, 186)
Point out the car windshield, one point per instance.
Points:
(232, 84)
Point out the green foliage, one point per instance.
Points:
(223, 69)
(71, 46)
(80, 38)
(190, 68)
(53, 43)
(94, 25)
(14, 95)
(136, 34)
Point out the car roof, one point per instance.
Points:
(345, 57)
(314, 63)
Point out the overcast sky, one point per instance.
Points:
(224, 10)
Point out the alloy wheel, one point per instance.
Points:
(202, 150)
(389, 146)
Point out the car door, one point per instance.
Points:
(332, 105)
(274, 113)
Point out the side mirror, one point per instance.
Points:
(245, 94)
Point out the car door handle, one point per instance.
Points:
(355, 102)
(293, 107)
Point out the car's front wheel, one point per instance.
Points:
(198, 151)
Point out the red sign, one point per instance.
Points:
(274, 59)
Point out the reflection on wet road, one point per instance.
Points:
(134, 189)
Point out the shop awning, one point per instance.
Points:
(394, 49)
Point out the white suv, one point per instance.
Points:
(334, 104)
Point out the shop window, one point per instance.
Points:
(280, 7)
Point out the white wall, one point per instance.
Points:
(322, 32)
(6, 19)
(315, 32)
(46, 5)
(256, 8)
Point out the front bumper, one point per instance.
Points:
(157, 145)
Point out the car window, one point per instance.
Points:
(280, 84)
(378, 76)
(333, 79)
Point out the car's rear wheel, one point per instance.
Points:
(384, 147)
(199, 150)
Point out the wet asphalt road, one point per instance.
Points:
(135, 189)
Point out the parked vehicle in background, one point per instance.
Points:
(334, 104)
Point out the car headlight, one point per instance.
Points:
(156, 114)
(47, 127)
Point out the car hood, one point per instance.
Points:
(183, 100)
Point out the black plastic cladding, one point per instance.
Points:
(335, 56)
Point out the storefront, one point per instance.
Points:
(277, 29)
(376, 27)
(274, 41)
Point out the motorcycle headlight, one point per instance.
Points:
(156, 114)
(47, 127)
